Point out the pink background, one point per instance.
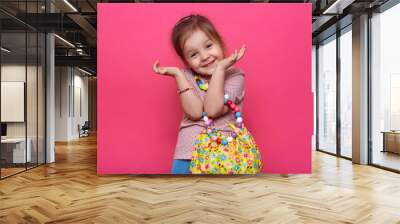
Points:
(139, 112)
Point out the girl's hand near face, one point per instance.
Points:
(232, 59)
(214, 99)
(191, 103)
(170, 71)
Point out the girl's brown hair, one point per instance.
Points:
(187, 25)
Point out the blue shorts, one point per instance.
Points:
(180, 166)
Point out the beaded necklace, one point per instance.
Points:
(202, 85)
(213, 133)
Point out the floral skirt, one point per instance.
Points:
(227, 153)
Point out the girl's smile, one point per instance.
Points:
(202, 54)
(209, 63)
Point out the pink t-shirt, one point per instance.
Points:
(189, 129)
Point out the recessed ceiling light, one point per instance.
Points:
(64, 40)
(337, 7)
(5, 50)
(70, 5)
(86, 72)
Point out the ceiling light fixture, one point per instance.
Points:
(5, 49)
(70, 5)
(64, 40)
(86, 72)
(338, 6)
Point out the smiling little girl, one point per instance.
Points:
(204, 89)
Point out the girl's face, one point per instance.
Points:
(202, 53)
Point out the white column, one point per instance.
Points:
(50, 110)
(50, 92)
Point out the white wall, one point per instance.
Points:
(61, 103)
(12, 73)
(81, 84)
(15, 72)
(12, 101)
(71, 93)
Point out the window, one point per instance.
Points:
(385, 88)
(327, 95)
(346, 93)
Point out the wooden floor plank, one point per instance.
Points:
(70, 191)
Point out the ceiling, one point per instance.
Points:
(76, 22)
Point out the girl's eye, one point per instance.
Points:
(192, 55)
(209, 45)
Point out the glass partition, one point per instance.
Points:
(14, 153)
(22, 77)
(327, 95)
(32, 95)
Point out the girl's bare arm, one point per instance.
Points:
(214, 99)
(191, 103)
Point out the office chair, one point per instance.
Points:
(84, 130)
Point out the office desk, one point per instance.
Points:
(391, 141)
(13, 150)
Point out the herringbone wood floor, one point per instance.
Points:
(70, 191)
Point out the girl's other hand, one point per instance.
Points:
(171, 71)
(232, 59)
